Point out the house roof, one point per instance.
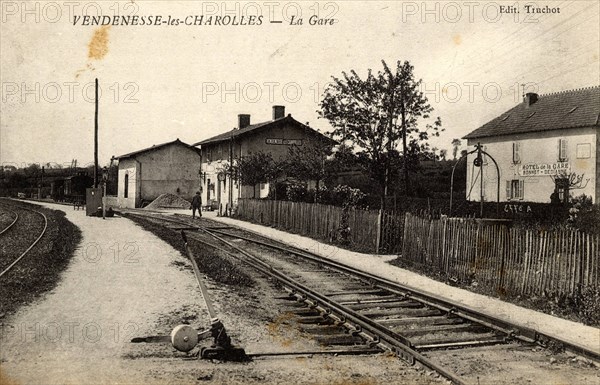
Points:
(235, 133)
(155, 147)
(567, 109)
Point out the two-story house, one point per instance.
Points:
(274, 137)
(548, 143)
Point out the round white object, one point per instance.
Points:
(184, 338)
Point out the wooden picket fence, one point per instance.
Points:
(510, 260)
(314, 220)
(392, 232)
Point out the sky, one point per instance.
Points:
(163, 82)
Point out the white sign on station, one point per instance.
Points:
(540, 169)
(289, 142)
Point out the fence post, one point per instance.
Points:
(378, 232)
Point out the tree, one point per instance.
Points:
(309, 162)
(569, 181)
(255, 168)
(33, 170)
(444, 154)
(455, 146)
(376, 114)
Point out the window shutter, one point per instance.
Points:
(514, 148)
(560, 148)
(516, 152)
(563, 150)
(521, 189)
(508, 190)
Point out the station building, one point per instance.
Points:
(145, 174)
(275, 136)
(545, 144)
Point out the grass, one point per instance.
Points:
(583, 307)
(39, 271)
(211, 262)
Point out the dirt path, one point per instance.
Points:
(119, 282)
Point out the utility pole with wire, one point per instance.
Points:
(96, 139)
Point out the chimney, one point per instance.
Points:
(530, 98)
(243, 121)
(278, 112)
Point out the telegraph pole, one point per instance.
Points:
(478, 162)
(96, 139)
(231, 174)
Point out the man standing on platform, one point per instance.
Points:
(196, 205)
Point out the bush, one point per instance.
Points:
(588, 305)
(584, 216)
(347, 196)
(296, 192)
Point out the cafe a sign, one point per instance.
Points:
(542, 169)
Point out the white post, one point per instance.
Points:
(104, 200)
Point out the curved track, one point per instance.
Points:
(395, 317)
(32, 239)
(12, 223)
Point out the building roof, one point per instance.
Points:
(567, 109)
(156, 147)
(235, 133)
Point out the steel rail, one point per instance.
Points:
(432, 300)
(313, 304)
(32, 245)
(521, 333)
(524, 334)
(393, 341)
(13, 222)
(513, 331)
(400, 344)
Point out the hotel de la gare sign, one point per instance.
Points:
(543, 169)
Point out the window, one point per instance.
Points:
(515, 189)
(126, 186)
(516, 152)
(584, 150)
(562, 188)
(562, 150)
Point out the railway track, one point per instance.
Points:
(10, 213)
(18, 239)
(379, 312)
